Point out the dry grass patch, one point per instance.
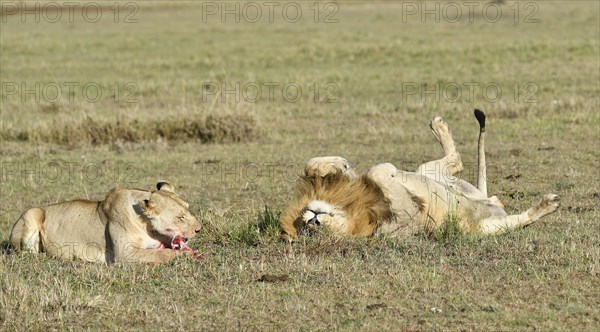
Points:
(213, 128)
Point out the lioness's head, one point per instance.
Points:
(168, 215)
(342, 204)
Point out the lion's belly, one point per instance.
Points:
(423, 203)
(73, 229)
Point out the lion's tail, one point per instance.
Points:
(481, 178)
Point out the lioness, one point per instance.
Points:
(129, 225)
(388, 200)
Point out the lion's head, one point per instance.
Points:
(170, 221)
(343, 204)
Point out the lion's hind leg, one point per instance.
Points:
(26, 232)
(323, 166)
(497, 224)
(451, 163)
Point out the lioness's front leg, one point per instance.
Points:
(137, 255)
(133, 252)
(323, 166)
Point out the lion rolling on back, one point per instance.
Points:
(388, 200)
(127, 226)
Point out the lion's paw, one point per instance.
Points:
(551, 202)
(323, 166)
(548, 204)
(440, 129)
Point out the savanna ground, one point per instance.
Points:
(235, 162)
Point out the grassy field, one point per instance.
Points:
(128, 99)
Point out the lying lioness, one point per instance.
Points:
(129, 225)
(387, 200)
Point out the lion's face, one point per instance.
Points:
(340, 203)
(169, 217)
(322, 214)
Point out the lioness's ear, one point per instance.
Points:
(165, 186)
(147, 204)
(146, 208)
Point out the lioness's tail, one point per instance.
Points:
(25, 234)
(481, 178)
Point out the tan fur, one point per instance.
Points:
(129, 225)
(388, 200)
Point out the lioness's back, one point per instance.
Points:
(65, 230)
(64, 221)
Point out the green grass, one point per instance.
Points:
(450, 230)
(264, 229)
(543, 277)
